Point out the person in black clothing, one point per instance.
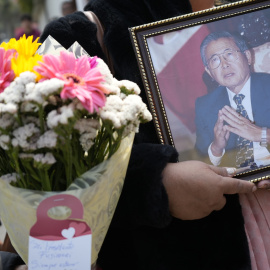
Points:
(170, 215)
(11, 261)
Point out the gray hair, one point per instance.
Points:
(239, 42)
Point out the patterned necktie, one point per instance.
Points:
(244, 156)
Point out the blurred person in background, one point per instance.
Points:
(27, 28)
(68, 7)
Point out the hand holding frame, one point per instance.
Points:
(195, 189)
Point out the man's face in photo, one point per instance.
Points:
(232, 73)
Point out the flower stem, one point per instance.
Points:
(46, 183)
(18, 119)
(69, 160)
(18, 169)
(41, 119)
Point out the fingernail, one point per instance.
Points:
(254, 188)
(231, 171)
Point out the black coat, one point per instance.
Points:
(8, 261)
(143, 235)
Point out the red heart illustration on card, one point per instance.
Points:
(79, 227)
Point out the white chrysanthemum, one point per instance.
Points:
(47, 140)
(132, 127)
(15, 142)
(122, 95)
(40, 91)
(145, 115)
(128, 87)
(49, 87)
(25, 78)
(26, 137)
(14, 93)
(10, 177)
(88, 129)
(47, 159)
(87, 140)
(113, 87)
(135, 108)
(105, 71)
(4, 141)
(55, 118)
(30, 87)
(27, 106)
(30, 119)
(87, 125)
(6, 120)
(8, 108)
(121, 113)
(112, 111)
(32, 95)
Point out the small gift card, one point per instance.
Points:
(60, 244)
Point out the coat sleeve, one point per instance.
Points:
(144, 200)
(8, 261)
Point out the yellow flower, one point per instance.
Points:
(26, 59)
(24, 46)
(10, 45)
(21, 64)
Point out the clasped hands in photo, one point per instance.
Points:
(236, 124)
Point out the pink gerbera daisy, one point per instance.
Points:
(82, 78)
(6, 73)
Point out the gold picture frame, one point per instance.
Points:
(175, 77)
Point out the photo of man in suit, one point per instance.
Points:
(232, 122)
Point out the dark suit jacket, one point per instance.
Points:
(207, 108)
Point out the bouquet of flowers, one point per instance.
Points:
(66, 125)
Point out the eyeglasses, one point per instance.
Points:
(228, 55)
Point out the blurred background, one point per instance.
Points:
(19, 16)
(30, 16)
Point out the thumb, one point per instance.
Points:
(222, 170)
(233, 186)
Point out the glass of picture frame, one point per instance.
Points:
(194, 68)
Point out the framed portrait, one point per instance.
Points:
(207, 79)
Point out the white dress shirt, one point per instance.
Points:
(258, 151)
